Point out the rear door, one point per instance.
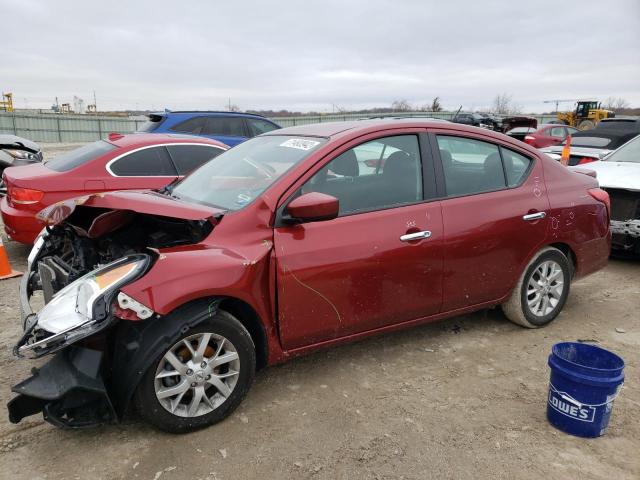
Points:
(378, 263)
(495, 215)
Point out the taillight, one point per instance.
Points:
(24, 196)
(584, 160)
(601, 196)
(529, 139)
(374, 163)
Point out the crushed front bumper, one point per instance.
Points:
(69, 391)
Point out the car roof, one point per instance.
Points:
(362, 127)
(209, 112)
(143, 139)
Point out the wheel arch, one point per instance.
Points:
(569, 253)
(138, 344)
(247, 315)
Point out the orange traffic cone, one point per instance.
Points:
(5, 267)
(566, 152)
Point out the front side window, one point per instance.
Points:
(229, 126)
(193, 125)
(236, 177)
(189, 157)
(470, 166)
(148, 162)
(260, 126)
(379, 174)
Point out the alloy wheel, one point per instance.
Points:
(197, 375)
(545, 287)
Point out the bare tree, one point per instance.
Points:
(503, 104)
(615, 104)
(400, 106)
(435, 105)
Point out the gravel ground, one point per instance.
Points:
(459, 399)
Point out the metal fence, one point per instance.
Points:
(56, 128)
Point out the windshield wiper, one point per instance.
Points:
(168, 188)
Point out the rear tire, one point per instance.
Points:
(200, 379)
(541, 291)
(586, 125)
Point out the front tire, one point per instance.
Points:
(200, 379)
(541, 291)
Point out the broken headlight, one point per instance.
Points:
(80, 309)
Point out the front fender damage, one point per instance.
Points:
(90, 382)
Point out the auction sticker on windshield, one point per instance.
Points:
(299, 143)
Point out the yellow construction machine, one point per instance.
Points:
(586, 115)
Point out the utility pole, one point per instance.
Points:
(229, 107)
(95, 104)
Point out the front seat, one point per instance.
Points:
(401, 176)
(346, 164)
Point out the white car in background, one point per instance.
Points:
(619, 174)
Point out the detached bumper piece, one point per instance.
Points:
(69, 391)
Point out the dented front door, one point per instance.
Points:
(355, 273)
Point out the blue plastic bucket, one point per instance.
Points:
(584, 382)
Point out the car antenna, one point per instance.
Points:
(456, 115)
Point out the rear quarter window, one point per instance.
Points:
(79, 156)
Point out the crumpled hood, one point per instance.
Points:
(140, 201)
(624, 175)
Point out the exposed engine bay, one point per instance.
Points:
(91, 237)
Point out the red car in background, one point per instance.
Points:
(549, 135)
(120, 162)
(285, 244)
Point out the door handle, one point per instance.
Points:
(408, 237)
(530, 217)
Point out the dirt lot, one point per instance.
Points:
(459, 399)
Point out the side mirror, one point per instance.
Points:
(313, 207)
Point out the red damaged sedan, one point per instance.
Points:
(290, 242)
(120, 162)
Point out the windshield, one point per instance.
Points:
(237, 176)
(79, 156)
(629, 152)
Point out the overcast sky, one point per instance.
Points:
(308, 54)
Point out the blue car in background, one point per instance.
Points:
(230, 128)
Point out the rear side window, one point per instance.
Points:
(189, 157)
(470, 166)
(557, 132)
(516, 166)
(256, 127)
(148, 162)
(79, 156)
(230, 126)
(193, 125)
